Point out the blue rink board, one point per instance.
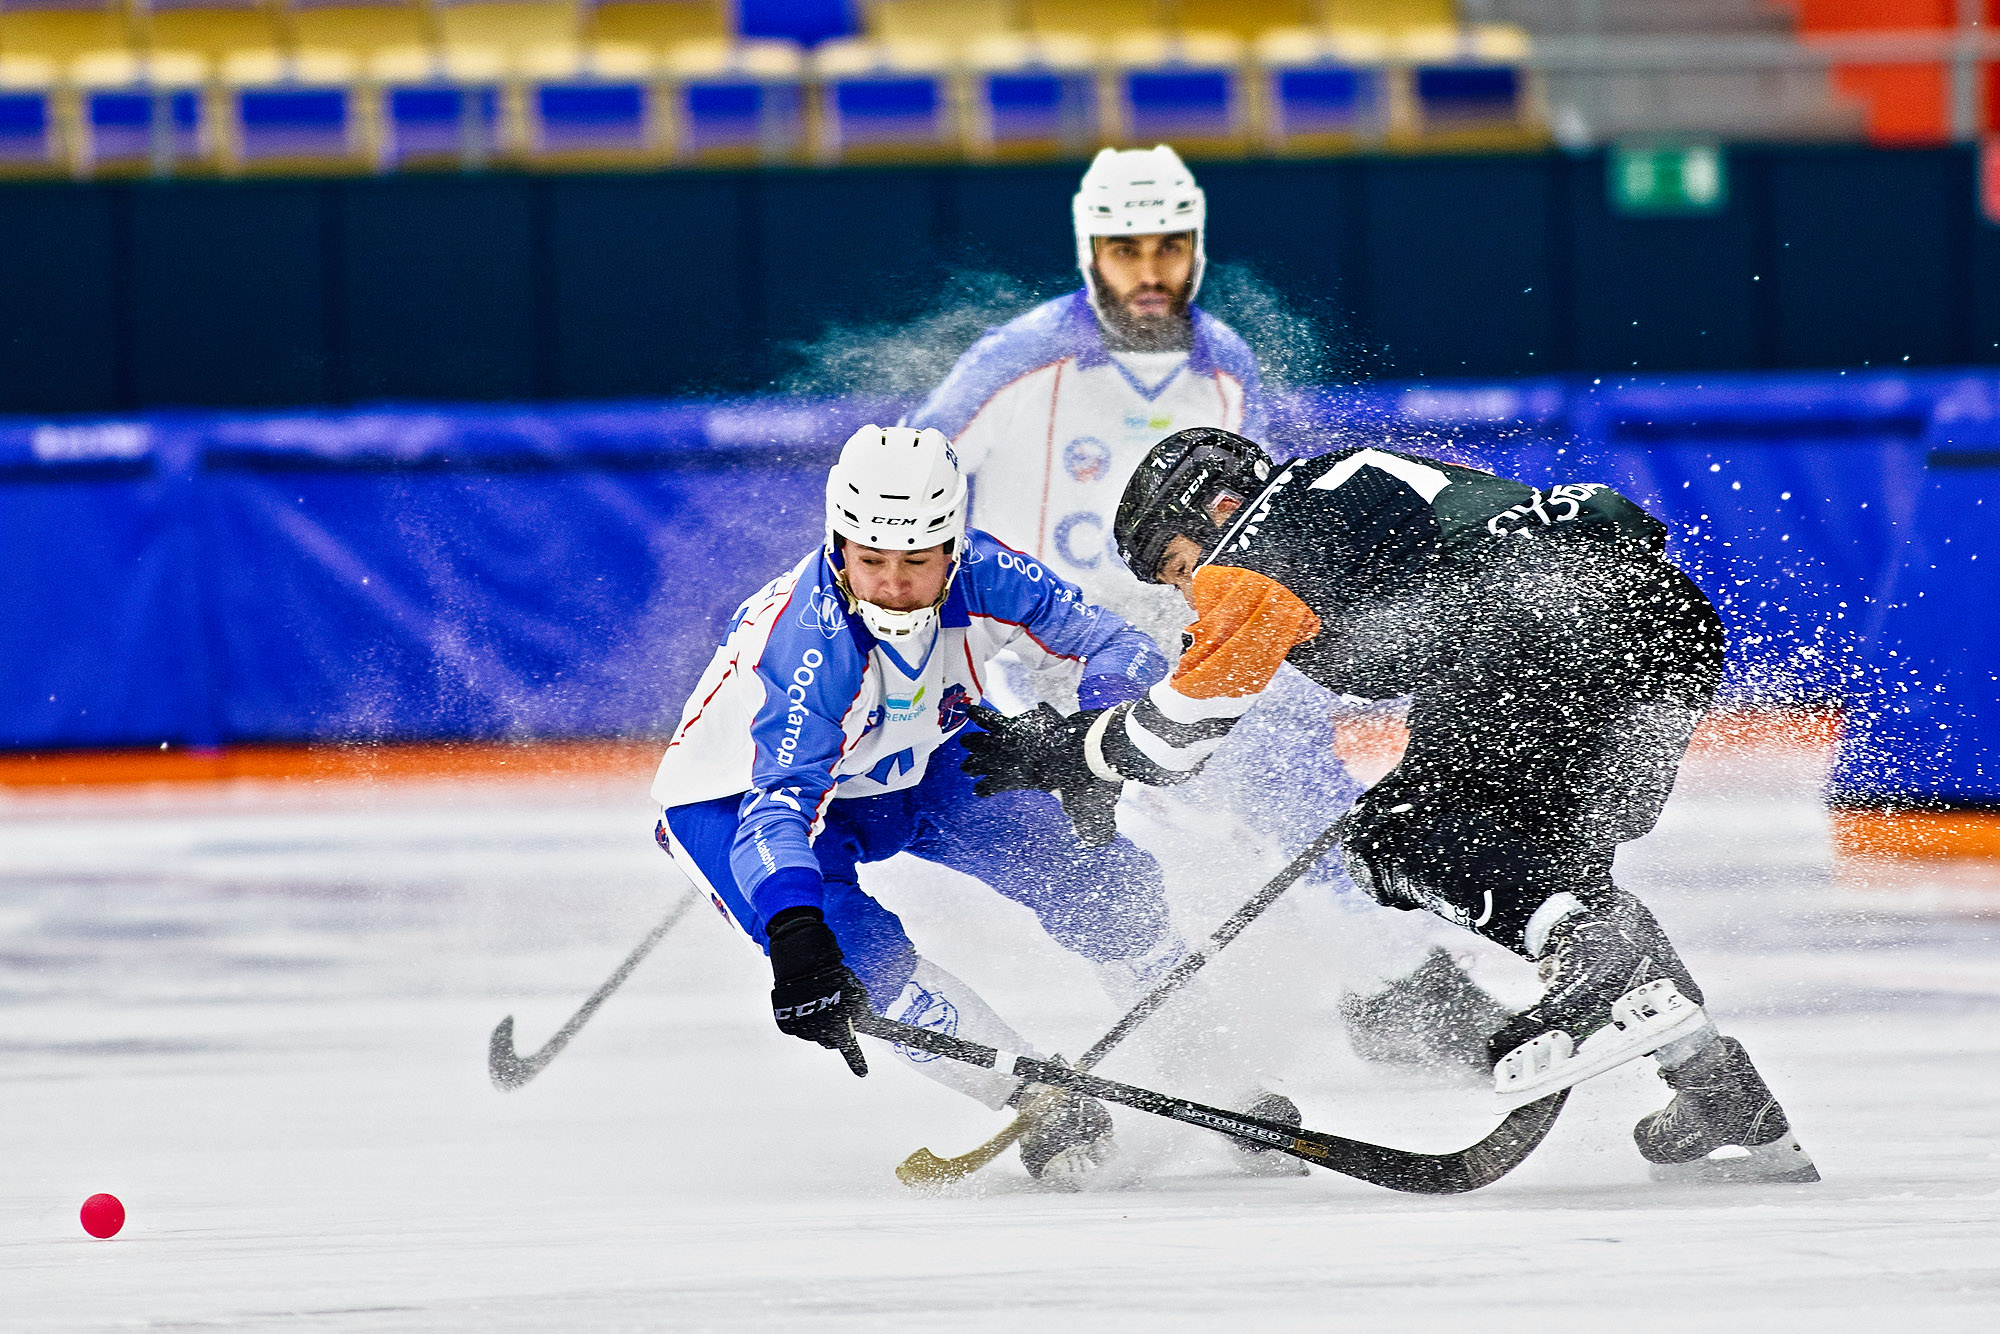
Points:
(420, 572)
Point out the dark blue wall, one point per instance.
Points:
(117, 296)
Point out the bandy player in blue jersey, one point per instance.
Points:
(1050, 414)
(825, 735)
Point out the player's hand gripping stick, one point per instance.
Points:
(815, 995)
(1042, 749)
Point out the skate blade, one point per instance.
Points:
(1784, 1159)
(1642, 1020)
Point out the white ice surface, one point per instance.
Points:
(259, 1017)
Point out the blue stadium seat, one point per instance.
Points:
(291, 110)
(737, 101)
(1185, 87)
(140, 112)
(439, 107)
(1323, 89)
(1466, 78)
(892, 95)
(593, 100)
(1031, 93)
(30, 138)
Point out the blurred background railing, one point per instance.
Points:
(161, 87)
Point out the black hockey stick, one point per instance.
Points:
(510, 1071)
(1398, 1169)
(925, 1169)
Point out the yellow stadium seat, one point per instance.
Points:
(214, 28)
(940, 20)
(737, 101)
(1093, 18)
(513, 28)
(1390, 14)
(28, 29)
(362, 29)
(1031, 95)
(593, 104)
(659, 24)
(1185, 88)
(878, 99)
(1244, 18)
(439, 106)
(288, 110)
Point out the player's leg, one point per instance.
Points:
(902, 985)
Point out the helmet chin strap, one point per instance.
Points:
(895, 627)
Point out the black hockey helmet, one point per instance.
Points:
(1174, 490)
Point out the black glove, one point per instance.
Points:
(1042, 749)
(816, 996)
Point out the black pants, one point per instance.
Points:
(1547, 732)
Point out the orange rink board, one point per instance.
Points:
(1370, 744)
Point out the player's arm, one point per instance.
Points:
(799, 740)
(1246, 623)
(1050, 621)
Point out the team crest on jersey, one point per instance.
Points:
(823, 612)
(951, 708)
(1087, 459)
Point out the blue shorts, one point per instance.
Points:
(1102, 903)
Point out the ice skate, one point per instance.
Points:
(1437, 1016)
(1722, 1124)
(1256, 1162)
(1069, 1144)
(1616, 991)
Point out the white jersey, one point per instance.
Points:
(1049, 423)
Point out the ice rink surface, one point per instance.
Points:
(259, 1016)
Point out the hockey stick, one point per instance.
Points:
(510, 1071)
(925, 1169)
(1482, 1164)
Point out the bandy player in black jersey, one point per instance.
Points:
(1556, 664)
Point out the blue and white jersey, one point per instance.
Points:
(1049, 423)
(801, 705)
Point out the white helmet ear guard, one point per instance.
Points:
(896, 489)
(1138, 192)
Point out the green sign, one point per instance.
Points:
(1664, 181)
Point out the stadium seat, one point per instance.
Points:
(62, 30)
(737, 101)
(511, 27)
(1181, 87)
(950, 21)
(1323, 90)
(283, 111)
(358, 28)
(140, 112)
(1389, 15)
(1031, 94)
(1466, 78)
(213, 28)
(31, 136)
(880, 98)
(591, 103)
(439, 107)
(1247, 19)
(1102, 19)
(660, 24)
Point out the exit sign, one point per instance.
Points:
(1663, 181)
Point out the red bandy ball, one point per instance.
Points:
(103, 1215)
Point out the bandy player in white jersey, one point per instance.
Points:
(1049, 415)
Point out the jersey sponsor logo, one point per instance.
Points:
(906, 709)
(952, 708)
(1087, 459)
(920, 1008)
(822, 612)
(1079, 539)
(795, 717)
(1139, 421)
(1021, 565)
(1559, 504)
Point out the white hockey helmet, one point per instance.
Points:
(896, 489)
(1138, 192)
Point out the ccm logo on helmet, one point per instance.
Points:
(889, 522)
(808, 1007)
